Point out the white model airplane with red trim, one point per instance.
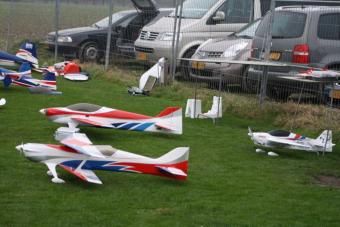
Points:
(79, 156)
(84, 114)
(289, 140)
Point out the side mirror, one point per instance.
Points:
(219, 16)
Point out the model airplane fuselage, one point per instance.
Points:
(80, 157)
(26, 54)
(288, 140)
(83, 114)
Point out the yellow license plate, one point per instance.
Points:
(198, 65)
(335, 94)
(142, 56)
(275, 56)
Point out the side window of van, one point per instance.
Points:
(329, 26)
(237, 11)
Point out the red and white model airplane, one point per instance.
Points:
(79, 156)
(289, 140)
(168, 121)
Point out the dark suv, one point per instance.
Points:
(89, 43)
(306, 35)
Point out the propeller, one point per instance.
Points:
(20, 148)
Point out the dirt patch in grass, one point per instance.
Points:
(328, 181)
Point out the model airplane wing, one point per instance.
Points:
(84, 174)
(82, 144)
(91, 122)
(279, 143)
(255, 62)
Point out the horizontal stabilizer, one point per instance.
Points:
(86, 175)
(172, 171)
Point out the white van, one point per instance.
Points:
(201, 20)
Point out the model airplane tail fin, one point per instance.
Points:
(170, 120)
(25, 69)
(174, 164)
(325, 140)
(7, 81)
(28, 52)
(49, 81)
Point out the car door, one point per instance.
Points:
(237, 13)
(146, 6)
(325, 46)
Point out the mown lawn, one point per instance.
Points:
(228, 182)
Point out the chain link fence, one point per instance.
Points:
(206, 30)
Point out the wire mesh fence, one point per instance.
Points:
(143, 32)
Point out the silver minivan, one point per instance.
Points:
(201, 20)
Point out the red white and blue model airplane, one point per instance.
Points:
(24, 78)
(289, 140)
(83, 114)
(26, 54)
(80, 157)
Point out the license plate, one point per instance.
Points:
(335, 94)
(275, 56)
(198, 65)
(142, 56)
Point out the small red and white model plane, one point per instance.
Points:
(79, 156)
(168, 121)
(289, 140)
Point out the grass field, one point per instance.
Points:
(34, 20)
(228, 182)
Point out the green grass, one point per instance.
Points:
(34, 20)
(228, 182)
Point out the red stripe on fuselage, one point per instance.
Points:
(120, 114)
(63, 148)
(153, 170)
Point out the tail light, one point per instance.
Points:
(301, 54)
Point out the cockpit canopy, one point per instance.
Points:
(279, 133)
(84, 107)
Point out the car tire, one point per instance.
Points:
(185, 65)
(248, 85)
(89, 52)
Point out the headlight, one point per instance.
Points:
(64, 39)
(168, 36)
(234, 50)
(201, 54)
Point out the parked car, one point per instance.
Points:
(201, 20)
(236, 46)
(307, 35)
(89, 43)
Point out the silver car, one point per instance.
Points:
(306, 35)
(236, 46)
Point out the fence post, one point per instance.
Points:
(56, 26)
(172, 71)
(108, 40)
(268, 44)
(177, 37)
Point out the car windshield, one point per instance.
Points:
(195, 9)
(248, 32)
(286, 25)
(103, 23)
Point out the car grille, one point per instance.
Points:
(144, 49)
(214, 54)
(151, 36)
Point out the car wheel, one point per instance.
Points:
(185, 65)
(89, 52)
(249, 85)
